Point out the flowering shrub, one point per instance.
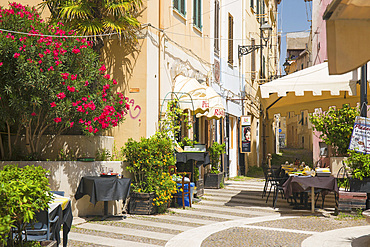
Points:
(50, 82)
(165, 187)
(336, 126)
(148, 160)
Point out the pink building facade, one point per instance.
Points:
(319, 55)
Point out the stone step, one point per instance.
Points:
(200, 214)
(175, 218)
(88, 238)
(152, 223)
(127, 231)
(230, 210)
(264, 208)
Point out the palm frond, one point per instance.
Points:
(90, 27)
(75, 9)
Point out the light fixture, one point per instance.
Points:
(246, 49)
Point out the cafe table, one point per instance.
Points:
(61, 206)
(104, 189)
(304, 183)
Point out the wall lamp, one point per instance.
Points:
(246, 49)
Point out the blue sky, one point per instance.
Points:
(293, 16)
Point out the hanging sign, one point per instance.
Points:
(360, 139)
(245, 133)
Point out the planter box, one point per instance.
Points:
(142, 203)
(213, 181)
(200, 187)
(349, 200)
(48, 243)
(357, 185)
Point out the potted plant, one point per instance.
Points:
(335, 127)
(148, 160)
(214, 178)
(23, 191)
(359, 165)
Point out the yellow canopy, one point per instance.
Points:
(309, 89)
(348, 34)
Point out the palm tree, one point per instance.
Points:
(97, 18)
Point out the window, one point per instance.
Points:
(197, 13)
(258, 7)
(252, 4)
(230, 40)
(217, 27)
(179, 6)
(263, 11)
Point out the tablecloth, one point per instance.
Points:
(202, 157)
(103, 188)
(301, 183)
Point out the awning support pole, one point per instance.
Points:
(363, 91)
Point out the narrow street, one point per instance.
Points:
(233, 216)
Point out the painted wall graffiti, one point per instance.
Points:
(134, 110)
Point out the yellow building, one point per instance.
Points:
(197, 39)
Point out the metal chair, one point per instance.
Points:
(277, 182)
(43, 229)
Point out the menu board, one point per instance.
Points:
(245, 133)
(360, 139)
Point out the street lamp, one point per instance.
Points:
(246, 49)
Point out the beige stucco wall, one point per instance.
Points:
(66, 175)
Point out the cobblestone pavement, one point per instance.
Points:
(234, 216)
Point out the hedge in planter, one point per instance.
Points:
(359, 163)
(214, 179)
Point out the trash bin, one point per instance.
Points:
(186, 197)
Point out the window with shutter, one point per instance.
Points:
(230, 39)
(180, 6)
(197, 13)
(217, 27)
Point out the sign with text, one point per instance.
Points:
(360, 139)
(245, 133)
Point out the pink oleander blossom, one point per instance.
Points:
(33, 114)
(102, 68)
(65, 76)
(16, 55)
(61, 95)
(73, 77)
(57, 119)
(71, 89)
(53, 104)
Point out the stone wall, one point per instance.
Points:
(66, 175)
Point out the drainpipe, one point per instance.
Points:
(159, 57)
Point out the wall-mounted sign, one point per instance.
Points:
(245, 133)
(246, 120)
